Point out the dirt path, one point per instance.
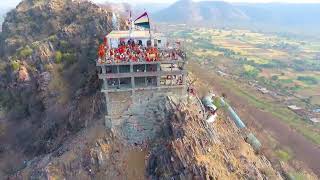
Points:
(303, 149)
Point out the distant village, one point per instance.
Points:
(310, 114)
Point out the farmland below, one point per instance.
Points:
(288, 67)
(263, 75)
(284, 69)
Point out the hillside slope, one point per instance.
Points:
(267, 16)
(52, 113)
(49, 89)
(186, 147)
(3, 12)
(187, 11)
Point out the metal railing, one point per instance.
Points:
(165, 56)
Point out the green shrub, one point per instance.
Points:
(3, 66)
(275, 77)
(296, 88)
(15, 65)
(2, 130)
(69, 58)
(297, 175)
(58, 57)
(308, 80)
(35, 45)
(52, 38)
(25, 52)
(283, 155)
(250, 71)
(286, 81)
(5, 99)
(64, 45)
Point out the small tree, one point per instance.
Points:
(15, 65)
(58, 57)
(64, 45)
(53, 38)
(25, 52)
(275, 77)
(69, 58)
(308, 80)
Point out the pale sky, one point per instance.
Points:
(13, 3)
(249, 1)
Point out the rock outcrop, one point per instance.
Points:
(195, 149)
(186, 147)
(54, 112)
(48, 82)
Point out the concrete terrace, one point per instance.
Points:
(132, 66)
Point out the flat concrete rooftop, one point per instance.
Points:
(108, 63)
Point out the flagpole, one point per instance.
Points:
(131, 25)
(149, 27)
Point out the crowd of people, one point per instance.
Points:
(133, 52)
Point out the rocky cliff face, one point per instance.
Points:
(48, 84)
(195, 149)
(51, 111)
(186, 147)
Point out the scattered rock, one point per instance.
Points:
(23, 75)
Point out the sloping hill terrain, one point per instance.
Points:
(286, 14)
(52, 113)
(3, 12)
(187, 11)
(135, 8)
(48, 84)
(266, 16)
(186, 147)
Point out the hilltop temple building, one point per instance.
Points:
(135, 65)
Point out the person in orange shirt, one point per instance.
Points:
(101, 51)
(148, 58)
(135, 59)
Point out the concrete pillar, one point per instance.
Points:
(105, 83)
(171, 75)
(133, 83)
(118, 71)
(108, 123)
(103, 69)
(183, 79)
(171, 80)
(158, 81)
(131, 67)
(159, 76)
(108, 104)
(184, 88)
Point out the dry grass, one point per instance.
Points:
(58, 85)
(207, 53)
(227, 153)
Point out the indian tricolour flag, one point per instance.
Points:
(143, 21)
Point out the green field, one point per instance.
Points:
(289, 65)
(310, 132)
(285, 65)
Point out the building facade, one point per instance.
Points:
(138, 70)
